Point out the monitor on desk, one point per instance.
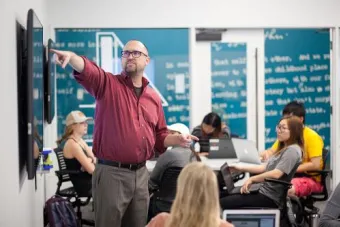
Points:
(252, 218)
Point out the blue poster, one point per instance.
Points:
(297, 67)
(168, 71)
(229, 84)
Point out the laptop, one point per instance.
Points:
(253, 218)
(246, 151)
(222, 148)
(229, 182)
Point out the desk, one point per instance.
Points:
(215, 164)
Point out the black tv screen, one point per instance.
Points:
(50, 80)
(35, 91)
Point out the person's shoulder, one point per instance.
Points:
(225, 129)
(118, 78)
(309, 133)
(159, 220)
(226, 224)
(71, 146)
(197, 130)
(153, 94)
(179, 149)
(294, 150)
(175, 153)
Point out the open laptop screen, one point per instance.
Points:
(253, 218)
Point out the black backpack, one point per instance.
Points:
(59, 212)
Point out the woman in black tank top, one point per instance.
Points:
(77, 154)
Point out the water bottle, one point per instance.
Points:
(314, 220)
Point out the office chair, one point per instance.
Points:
(308, 209)
(288, 218)
(76, 193)
(164, 196)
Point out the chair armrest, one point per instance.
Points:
(312, 173)
(61, 172)
(153, 190)
(320, 172)
(278, 182)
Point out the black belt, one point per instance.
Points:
(122, 165)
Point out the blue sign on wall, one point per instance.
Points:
(297, 67)
(168, 71)
(229, 84)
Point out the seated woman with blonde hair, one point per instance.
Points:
(197, 200)
(77, 154)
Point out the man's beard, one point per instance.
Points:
(131, 70)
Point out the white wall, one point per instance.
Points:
(191, 13)
(20, 205)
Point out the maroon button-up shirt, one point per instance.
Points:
(127, 128)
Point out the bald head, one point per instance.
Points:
(137, 45)
(135, 58)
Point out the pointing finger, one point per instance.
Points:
(66, 62)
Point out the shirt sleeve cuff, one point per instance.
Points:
(160, 142)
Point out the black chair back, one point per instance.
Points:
(323, 196)
(325, 157)
(167, 188)
(62, 165)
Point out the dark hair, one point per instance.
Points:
(214, 120)
(296, 133)
(295, 108)
(194, 154)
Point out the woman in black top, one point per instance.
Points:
(77, 154)
(211, 127)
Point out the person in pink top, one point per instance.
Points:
(197, 201)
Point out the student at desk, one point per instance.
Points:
(312, 160)
(282, 166)
(211, 127)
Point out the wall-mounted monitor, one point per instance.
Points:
(22, 97)
(50, 82)
(35, 91)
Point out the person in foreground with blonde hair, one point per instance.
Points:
(197, 200)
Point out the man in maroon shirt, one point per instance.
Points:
(129, 126)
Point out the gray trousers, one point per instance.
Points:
(120, 196)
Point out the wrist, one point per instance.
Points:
(241, 169)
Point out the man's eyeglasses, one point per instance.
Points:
(135, 54)
(281, 128)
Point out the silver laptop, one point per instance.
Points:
(253, 218)
(246, 151)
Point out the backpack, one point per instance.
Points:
(59, 212)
